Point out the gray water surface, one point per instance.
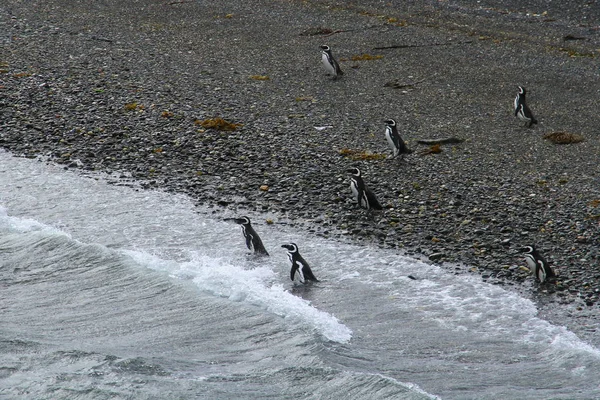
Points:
(111, 292)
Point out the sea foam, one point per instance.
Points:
(257, 286)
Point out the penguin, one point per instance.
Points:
(331, 65)
(538, 264)
(363, 195)
(522, 110)
(394, 139)
(299, 265)
(253, 241)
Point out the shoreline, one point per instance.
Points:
(116, 92)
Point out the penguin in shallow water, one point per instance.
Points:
(331, 65)
(394, 139)
(300, 267)
(538, 264)
(362, 194)
(253, 241)
(522, 111)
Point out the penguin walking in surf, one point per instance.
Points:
(538, 264)
(394, 139)
(362, 194)
(253, 241)
(331, 65)
(300, 268)
(522, 111)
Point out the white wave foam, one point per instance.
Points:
(253, 286)
(25, 225)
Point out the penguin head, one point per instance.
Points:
(527, 249)
(354, 171)
(324, 47)
(242, 221)
(522, 90)
(291, 247)
(390, 122)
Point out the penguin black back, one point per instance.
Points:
(299, 266)
(362, 194)
(253, 241)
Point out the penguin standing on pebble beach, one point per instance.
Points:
(362, 194)
(538, 264)
(394, 139)
(522, 111)
(331, 65)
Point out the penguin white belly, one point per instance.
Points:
(521, 114)
(299, 273)
(364, 201)
(388, 136)
(328, 66)
(354, 191)
(531, 262)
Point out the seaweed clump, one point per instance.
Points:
(358, 155)
(217, 123)
(260, 77)
(317, 31)
(435, 149)
(366, 57)
(563, 137)
(133, 107)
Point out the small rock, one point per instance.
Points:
(581, 239)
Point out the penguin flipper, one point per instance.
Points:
(293, 273)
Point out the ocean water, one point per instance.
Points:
(110, 292)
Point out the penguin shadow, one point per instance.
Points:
(254, 260)
(400, 161)
(362, 216)
(305, 290)
(310, 291)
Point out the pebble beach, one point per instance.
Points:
(229, 103)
